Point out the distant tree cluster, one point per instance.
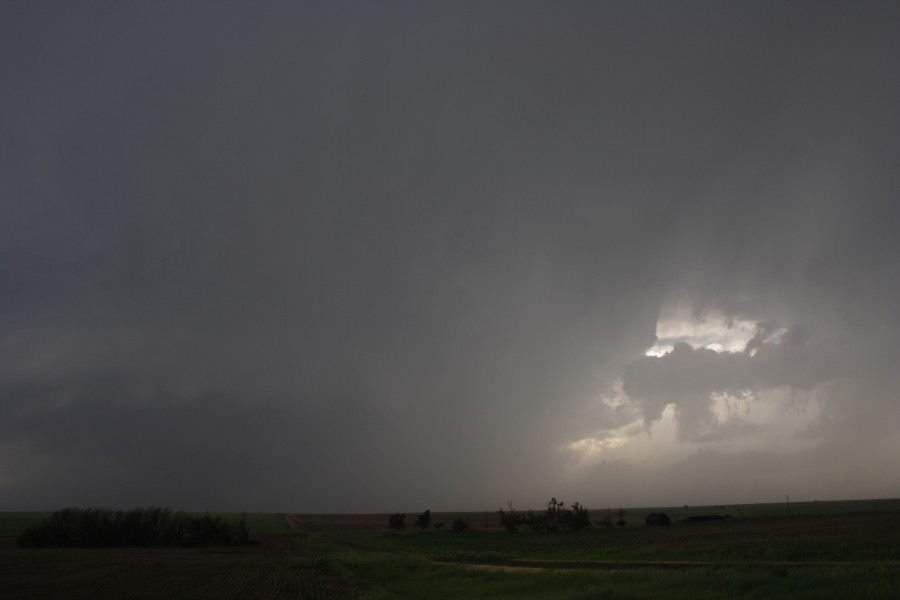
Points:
(607, 521)
(154, 526)
(397, 522)
(555, 518)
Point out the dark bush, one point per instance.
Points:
(397, 521)
(703, 518)
(205, 530)
(556, 518)
(578, 518)
(424, 520)
(510, 520)
(460, 525)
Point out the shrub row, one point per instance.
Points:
(154, 526)
(556, 518)
(397, 521)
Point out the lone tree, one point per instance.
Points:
(579, 518)
(424, 520)
(397, 521)
(510, 520)
(555, 511)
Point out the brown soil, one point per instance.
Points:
(310, 523)
(275, 569)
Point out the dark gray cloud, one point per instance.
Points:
(381, 257)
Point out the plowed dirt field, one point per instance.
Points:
(277, 568)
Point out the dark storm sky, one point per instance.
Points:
(378, 256)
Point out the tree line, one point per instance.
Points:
(397, 522)
(556, 517)
(154, 526)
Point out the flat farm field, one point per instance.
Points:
(818, 550)
(278, 568)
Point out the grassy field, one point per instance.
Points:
(818, 550)
(259, 522)
(14, 523)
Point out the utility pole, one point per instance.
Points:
(787, 499)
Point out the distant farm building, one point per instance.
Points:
(658, 519)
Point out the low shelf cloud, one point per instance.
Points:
(367, 257)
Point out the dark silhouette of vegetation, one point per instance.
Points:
(424, 520)
(439, 525)
(579, 519)
(621, 521)
(703, 518)
(510, 520)
(460, 525)
(397, 521)
(607, 520)
(556, 518)
(154, 526)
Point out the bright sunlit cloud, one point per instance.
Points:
(713, 330)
